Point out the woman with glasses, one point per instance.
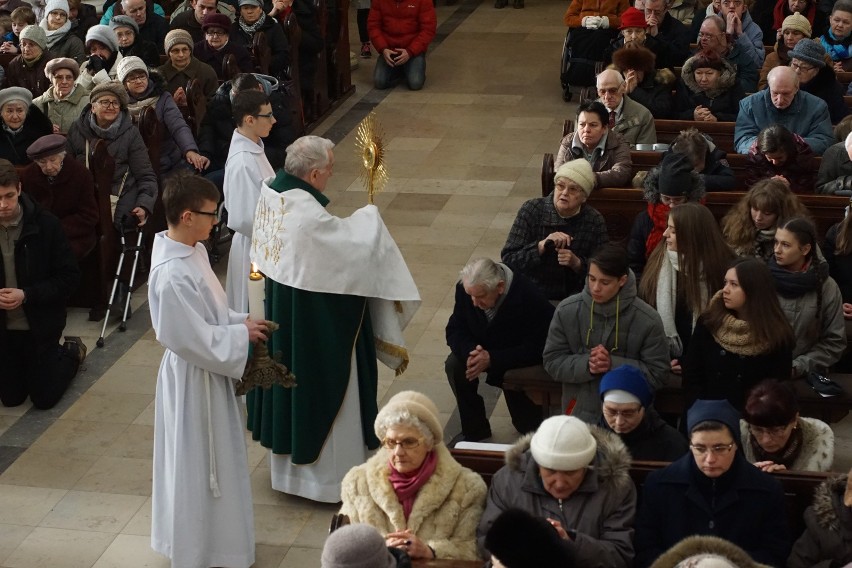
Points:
(216, 45)
(22, 124)
(576, 477)
(713, 490)
(684, 272)
(775, 437)
(134, 184)
(253, 19)
(741, 338)
(794, 28)
(811, 63)
(65, 100)
(148, 89)
(412, 490)
(61, 39)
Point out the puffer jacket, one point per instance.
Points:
(63, 112)
(723, 101)
(601, 510)
(177, 137)
(612, 166)
(408, 25)
(134, 181)
(817, 452)
(579, 9)
(629, 328)
(13, 147)
(445, 513)
(827, 540)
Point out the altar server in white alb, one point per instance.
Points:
(202, 504)
(245, 171)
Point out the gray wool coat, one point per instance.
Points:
(134, 181)
(631, 331)
(601, 510)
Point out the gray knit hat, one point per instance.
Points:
(810, 51)
(356, 546)
(130, 64)
(58, 63)
(21, 94)
(36, 35)
(109, 88)
(103, 35)
(177, 36)
(122, 21)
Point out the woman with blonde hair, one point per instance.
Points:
(749, 226)
(684, 272)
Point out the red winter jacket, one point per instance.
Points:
(407, 24)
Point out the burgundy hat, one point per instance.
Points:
(216, 20)
(632, 18)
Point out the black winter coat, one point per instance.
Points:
(45, 270)
(653, 439)
(514, 338)
(275, 38)
(144, 50)
(154, 31)
(717, 174)
(840, 267)
(214, 57)
(655, 95)
(13, 147)
(744, 505)
(826, 87)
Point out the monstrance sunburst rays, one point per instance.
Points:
(371, 150)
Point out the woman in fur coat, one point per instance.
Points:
(827, 540)
(708, 90)
(412, 490)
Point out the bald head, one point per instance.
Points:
(783, 86)
(610, 89)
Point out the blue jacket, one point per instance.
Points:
(806, 116)
(677, 502)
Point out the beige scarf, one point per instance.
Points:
(734, 335)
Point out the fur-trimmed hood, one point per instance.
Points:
(611, 463)
(826, 497)
(702, 545)
(651, 187)
(727, 79)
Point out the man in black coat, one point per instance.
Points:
(37, 275)
(151, 27)
(672, 37)
(499, 322)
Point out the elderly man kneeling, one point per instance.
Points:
(577, 477)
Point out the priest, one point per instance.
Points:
(342, 294)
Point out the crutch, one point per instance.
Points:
(137, 250)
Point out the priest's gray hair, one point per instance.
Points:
(403, 417)
(481, 271)
(307, 153)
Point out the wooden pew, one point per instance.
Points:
(722, 133)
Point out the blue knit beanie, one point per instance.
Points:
(629, 379)
(717, 411)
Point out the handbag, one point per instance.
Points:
(823, 385)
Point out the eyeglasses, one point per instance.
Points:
(267, 115)
(774, 432)
(715, 450)
(211, 33)
(573, 189)
(796, 66)
(626, 414)
(407, 444)
(136, 78)
(214, 214)
(109, 104)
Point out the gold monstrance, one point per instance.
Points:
(371, 150)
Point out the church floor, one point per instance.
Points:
(463, 154)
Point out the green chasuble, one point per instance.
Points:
(318, 334)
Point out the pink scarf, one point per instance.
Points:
(406, 485)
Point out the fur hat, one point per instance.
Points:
(103, 35)
(216, 20)
(356, 546)
(36, 35)
(632, 18)
(515, 533)
(47, 146)
(563, 443)
(627, 380)
(58, 63)
(676, 177)
(810, 51)
(177, 36)
(580, 172)
(110, 88)
(705, 551)
(52, 5)
(10, 94)
(638, 58)
(122, 21)
(705, 60)
(798, 23)
(127, 65)
(418, 405)
(716, 411)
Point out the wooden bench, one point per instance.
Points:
(799, 486)
(722, 133)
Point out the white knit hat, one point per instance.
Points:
(580, 172)
(52, 5)
(130, 64)
(563, 443)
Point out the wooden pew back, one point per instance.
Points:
(722, 133)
